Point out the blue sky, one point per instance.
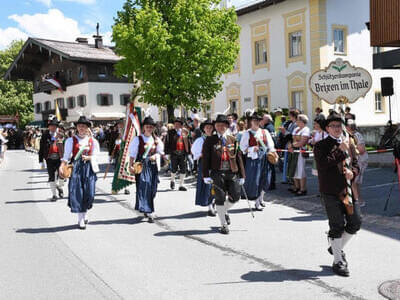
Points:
(58, 19)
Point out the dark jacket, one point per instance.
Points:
(212, 152)
(45, 143)
(329, 159)
(172, 139)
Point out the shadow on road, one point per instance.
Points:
(187, 232)
(130, 221)
(27, 201)
(191, 215)
(308, 218)
(30, 189)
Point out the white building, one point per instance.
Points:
(283, 42)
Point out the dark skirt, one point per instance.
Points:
(81, 187)
(257, 176)
(292, 164)
(203, 191)
(146, 187)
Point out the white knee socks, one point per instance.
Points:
(60, 183)
(346, 237)
(221, 211)
(181, 179)
(173, 177)
(336, 245)
(53, 188)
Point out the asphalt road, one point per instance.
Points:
(280, 254)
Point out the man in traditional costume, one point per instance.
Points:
(223, 168)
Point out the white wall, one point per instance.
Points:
(355, 14)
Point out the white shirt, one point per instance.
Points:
(244, 142)
(134, 145)
(69, 144)
(197, 147)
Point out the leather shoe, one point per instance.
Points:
(343, 255)
(224, 230)
(340, 269)
(228, 219)
(182, 188)
(53, 199)
(172, 185)
(60, 192)
(211, 213)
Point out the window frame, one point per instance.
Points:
(382, 103)
(301, 100)
(259, 33)
(295, 21)
(38, 105)
(299, 45)
(47, 105)
(344, 29)
(109, 99)
(78, 102)
(73, 102)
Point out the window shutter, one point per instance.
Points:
(110, 99)
(99, 99)
(122, 99)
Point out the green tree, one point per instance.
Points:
(178, 48)
(15, 96)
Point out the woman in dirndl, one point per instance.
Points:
(256, 143)
(146, 150)
(297, 164)
(318, 135)
(203, 191)
(82, 149)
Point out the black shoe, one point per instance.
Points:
(151, 220)
(258, 208)
(182, 188)
(127, 192)
(262, 203)
(343, 255)
(340, 269)
(228, 219)
(211, 213)
(301, 193)
(172, 185)
(224, 230)
(60, 192)
(53, 199)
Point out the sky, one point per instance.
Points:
(59, 19)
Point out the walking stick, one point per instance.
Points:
(248, 202)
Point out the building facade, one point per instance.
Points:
(283, 42)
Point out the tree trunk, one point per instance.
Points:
(170, 111)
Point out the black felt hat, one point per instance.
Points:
(179, 120)
(83, 120)
(255, 116)
(54, 122)
(333, 117)
(206, 122)
(221, 119)
(149, 121)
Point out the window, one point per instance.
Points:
(124, 99)
(164, 116)
(81, 100)
(47, 106)
(338, 40)
(260, 52)
(71, 102)
(104, 99)
(378, 102)
(297, 100)
(234, 106)
(69, 75)
(262, 102)
(61, 103)
(377, 50)
(295, 44)
(38, 108)
(80, 73)
(102, 72)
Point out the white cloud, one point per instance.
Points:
(10, 34)
(45, 2)
(53, 25)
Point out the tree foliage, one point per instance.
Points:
(15, 96)
(178, 48)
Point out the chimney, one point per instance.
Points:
(82, 40)
(98, 39)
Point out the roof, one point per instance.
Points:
(254, 5)
(80, 51)
(66, 50)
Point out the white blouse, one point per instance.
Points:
(134, 146)
(69, 144)
(197, 147)
(244, 141)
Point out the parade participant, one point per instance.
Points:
(256, 143)
(267, 123)
(233, 128)
(3, 145)
(145, 153)
(334, 172)
(223, 167)
(82, 149)
(362, 159)
(203, 191)
(318, 135)
(297, 161)
(177, 146)
(287, 132)
(51, 150)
